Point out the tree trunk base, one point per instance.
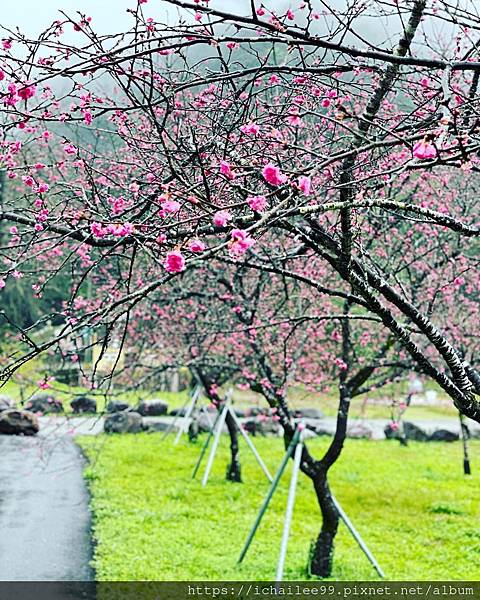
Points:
(321, 556)
(234, 473)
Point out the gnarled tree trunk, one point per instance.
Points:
(321, 560)
(233, 470)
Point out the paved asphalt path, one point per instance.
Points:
(44, 516)
(63, 427)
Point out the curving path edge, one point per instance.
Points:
(45, 526)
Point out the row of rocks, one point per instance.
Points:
(146, 408)
(416, 433)
(48, 404)
(45, 403)
(14, 421)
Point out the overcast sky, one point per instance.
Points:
(32, 16)
(108, 15)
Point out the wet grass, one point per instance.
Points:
(413, 506)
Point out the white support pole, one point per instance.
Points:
(251, 445)
(289, 512)
(216, 439)
(174, 422)
(358, 538)
(186, 419)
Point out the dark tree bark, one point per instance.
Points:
(465, 436)
(233, 470)
(321, 560)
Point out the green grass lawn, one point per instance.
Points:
(417, 512)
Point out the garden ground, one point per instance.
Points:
(414, 507)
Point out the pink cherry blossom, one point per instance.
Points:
(120, 229)
(424, 150)
(28, 180)
(273, 175)
(226, 169)
(221, 218)
(305, 185)
(257, 203)
(170, 206)
(240, 242)
(196, 246)
(27, 92)
(2, 284)
(69, 149)
(98, 230)
(250, 129)
(175, 262)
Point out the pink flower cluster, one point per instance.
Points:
(273, 175)
(424, 150)
(221, 218)
(226, 169)
(250, 129)
(257, 203)
(27, 92)
(240, 242)
(116, 229)
(196, 246)
(69, 149)
(170, 206)
(174, 262)
(305, 185)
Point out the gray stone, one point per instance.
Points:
(414, 432)
(262, 425)
(18, 422)
(153, 408)
(443, 435)
(323, 430)
(123, 422)
(181, 412)
(391, 433)
(6, 402)
(308, 413)
(117, 406)
(155, 424)
(309, 434)
(360, 431)
(44, 403)
(474, 433)
(204, 425)
(252, 411)
(409, 431)
(83, 404)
